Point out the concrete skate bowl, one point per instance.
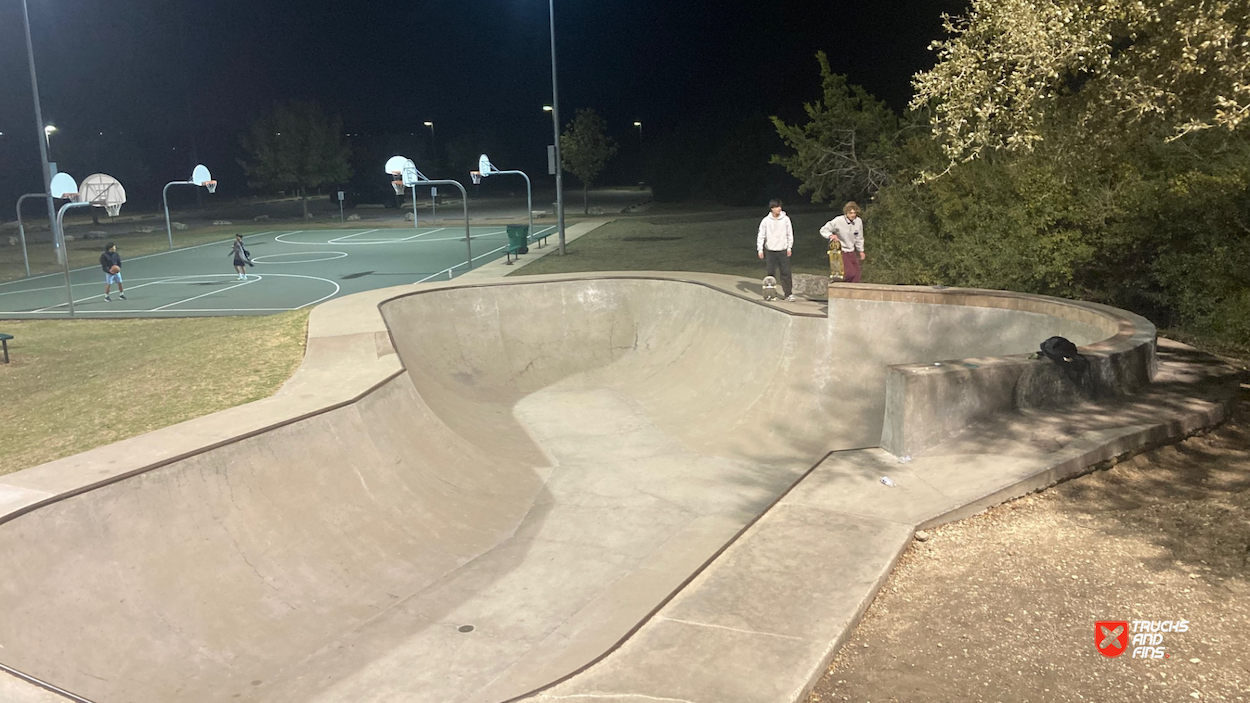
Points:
(555, 460)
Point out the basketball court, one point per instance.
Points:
(293, 269)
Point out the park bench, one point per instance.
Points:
(4, 342)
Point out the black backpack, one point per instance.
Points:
(1072, 365)
(1061, 350)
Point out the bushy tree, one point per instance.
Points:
(843, 151)
(296, 147)
(585, 148)
(1173, 66)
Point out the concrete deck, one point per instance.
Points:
(633, 486)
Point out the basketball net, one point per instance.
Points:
(210, 185)
(476, 176)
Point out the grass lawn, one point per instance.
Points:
(78, 384)
(722, 241)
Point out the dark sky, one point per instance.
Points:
(161, 71)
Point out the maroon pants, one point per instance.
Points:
(850, 267)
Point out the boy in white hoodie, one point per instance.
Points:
(774, 243)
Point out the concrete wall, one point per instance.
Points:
(926, 403)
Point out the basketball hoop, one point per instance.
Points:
(398, 185)
(102, 190)
(476, 176)
(210, 185)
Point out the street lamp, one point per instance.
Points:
(47, 135)
(641, 177)
(555, 124)
(43, 146)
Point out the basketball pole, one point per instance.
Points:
(555, 126)
(58, 242)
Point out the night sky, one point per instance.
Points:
(173, 75)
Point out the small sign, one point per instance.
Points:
(433, 191)
(551, 159)
(342, 196)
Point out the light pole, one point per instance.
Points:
(433, 144)
(555, 122)
(43, 145)
(641, 177)
(47, 136)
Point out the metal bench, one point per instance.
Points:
(4, 342)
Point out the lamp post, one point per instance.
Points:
(555, 122)
(47, 136)
(43, 144)
(641, 177)
(433, 150)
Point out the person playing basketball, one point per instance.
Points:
(111, 262)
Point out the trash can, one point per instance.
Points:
(518, 239)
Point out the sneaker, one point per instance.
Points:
(789, 298)
(108, 299)
(122, 296)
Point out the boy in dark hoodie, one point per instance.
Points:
(774, 243)
(111, 262)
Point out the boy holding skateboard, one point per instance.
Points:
(774, 243)
(848, 230)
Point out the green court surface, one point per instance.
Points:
(294, 269)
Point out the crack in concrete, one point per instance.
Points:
(731, 629)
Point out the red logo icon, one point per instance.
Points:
(1111, 637)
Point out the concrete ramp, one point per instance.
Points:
(553, 462)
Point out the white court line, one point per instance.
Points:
(332, 257)
(337, 241)
(132, 311)
(423, 234)
(349, 236)
(211, 292)
(145, 256)
(101, 295)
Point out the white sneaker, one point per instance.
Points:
(789, 298)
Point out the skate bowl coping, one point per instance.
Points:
(468, 492)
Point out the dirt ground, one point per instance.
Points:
(1002, 606)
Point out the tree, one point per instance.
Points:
(296, 147)
(1010, 66)
(842, 153)
(585, 148)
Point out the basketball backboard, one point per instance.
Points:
(102, 190)
(201, 175)
(395, 165)
(484, 165)
(63, 186)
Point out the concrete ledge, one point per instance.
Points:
(929, 402)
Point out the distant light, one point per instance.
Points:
(428, 124)
(49, 129)
(546, 108)
(637, 124)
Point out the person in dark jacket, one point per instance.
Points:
(242, 257)
(111, 262)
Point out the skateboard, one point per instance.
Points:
(835, 261)
(770, 288)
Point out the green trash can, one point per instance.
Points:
(518, 239)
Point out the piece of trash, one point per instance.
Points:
(922, 536)
(886, 480)
(937, 363)
(905, 459)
